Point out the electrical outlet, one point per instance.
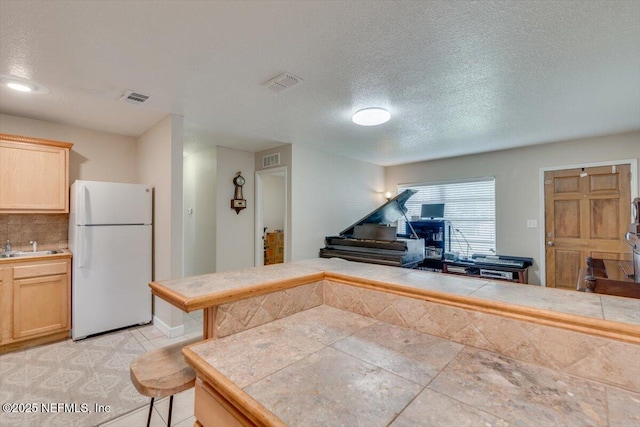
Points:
(532, 223)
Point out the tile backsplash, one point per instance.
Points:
(51, 231)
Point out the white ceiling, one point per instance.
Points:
(458, 77)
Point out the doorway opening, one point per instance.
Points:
(271, 216)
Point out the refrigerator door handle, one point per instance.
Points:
(82, 247)
(82, 204)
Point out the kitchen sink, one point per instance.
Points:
(17, 254)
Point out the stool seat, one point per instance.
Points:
(163, 372)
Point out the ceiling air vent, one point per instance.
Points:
(271, 160)
(282, 82)
(135, 98)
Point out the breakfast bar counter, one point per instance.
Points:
(609, 315)
(333, 342)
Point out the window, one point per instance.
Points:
(470, 205)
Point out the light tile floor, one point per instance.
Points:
(152, 338)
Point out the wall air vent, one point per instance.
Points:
(282, 82)
(135, 98)
(271, 160)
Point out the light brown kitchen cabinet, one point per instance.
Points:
(34, 175)
(213, 409)
(35, 299)
(6, 305)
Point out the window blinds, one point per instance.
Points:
(470, 206)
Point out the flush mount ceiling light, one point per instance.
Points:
(21, 85)
(371, 116)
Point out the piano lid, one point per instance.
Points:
(388, 213)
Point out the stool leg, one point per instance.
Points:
(150, 410)
(170, 409)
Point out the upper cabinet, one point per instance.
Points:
(34, 175)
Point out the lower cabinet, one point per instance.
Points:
(6, 305)
(35, 301)
(213, 410)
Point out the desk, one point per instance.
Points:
(490, 272)
(608, 276)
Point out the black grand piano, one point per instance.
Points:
(374, 240)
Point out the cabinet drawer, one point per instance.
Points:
(49, 269)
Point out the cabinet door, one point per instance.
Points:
(33, 178)
(6, 305)
(214, 410)
(40, 305)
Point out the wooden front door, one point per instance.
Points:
(587, 212)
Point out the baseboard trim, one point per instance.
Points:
(170, 332)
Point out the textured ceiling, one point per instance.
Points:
(458, 77)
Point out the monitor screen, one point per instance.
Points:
(432, 210)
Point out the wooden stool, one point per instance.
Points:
(161, 373)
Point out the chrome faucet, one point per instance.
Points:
(34, 245)
(7, 246)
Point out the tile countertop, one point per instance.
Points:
(326, 366)
(198, 292)
(329, 367)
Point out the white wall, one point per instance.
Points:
(517, 175)
(95, 156)
(200, 183)
(329, 193)
(274, 202)
(234, 232)
(160, 165)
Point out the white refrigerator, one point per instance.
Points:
(110, 236)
